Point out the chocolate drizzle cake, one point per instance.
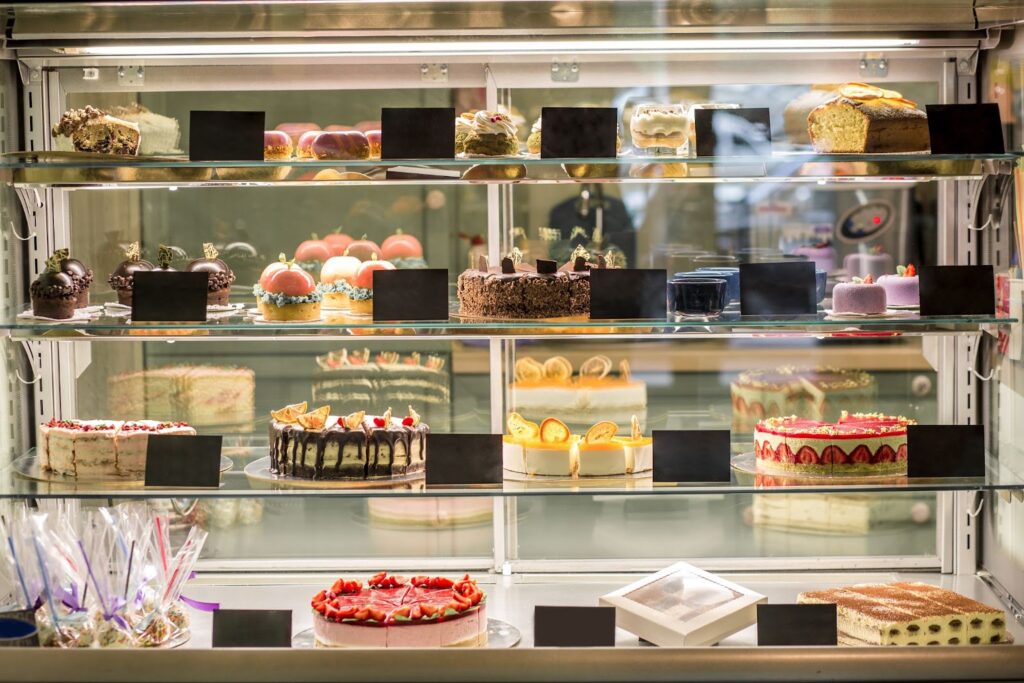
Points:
(354, 447)
(517, 290)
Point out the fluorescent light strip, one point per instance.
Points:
(503, 47)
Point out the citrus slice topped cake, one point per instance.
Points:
(392, 611)
(550, 449)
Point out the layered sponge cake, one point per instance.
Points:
(909, 613)
(101, 448)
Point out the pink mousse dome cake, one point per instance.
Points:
(902, 288)
(860, 296)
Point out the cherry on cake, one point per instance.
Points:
(864, 444)
(356, 447)
(98, 449)
(901, 289)
(392, 611)
(550, 449)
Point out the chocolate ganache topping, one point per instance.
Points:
(122, 277)
(80, 274)
(53, 283)
(221, 275)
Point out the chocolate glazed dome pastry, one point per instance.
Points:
(80, 274)
(122, 280)
(221, 276)
(54, 292)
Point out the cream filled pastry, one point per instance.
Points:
(491, 134)
(659, 125)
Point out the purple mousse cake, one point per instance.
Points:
(860, 296)
(873, 263)
(822, 255)
(902, 288)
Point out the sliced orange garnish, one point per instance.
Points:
(315, 419)
(598, 366)
(522, 429)
(634, 428)
(602, 432)
(553, 430)
(528, 370)
(354, 420)
(558, 367)
(289, 414)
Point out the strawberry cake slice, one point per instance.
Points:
(858, 444)
(392, 611)
(101, 449)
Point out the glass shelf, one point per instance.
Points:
(239, 325)
(236, 483)
(82, 171)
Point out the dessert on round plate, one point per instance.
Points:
(354, 447)
(392, 611)
(659, 126)
(54, 293)
(856, 444)
(360, 294)
(93, 130)
(221, 276)
(491, 134)
(277, 145)
(336, 279)
(80, 274)
(901, 289)
(287, 293)
(122, 280)
(862, 296)
(550, 449)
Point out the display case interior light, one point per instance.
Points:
(486, 47)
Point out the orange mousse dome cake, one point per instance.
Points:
(392, 611)
(857, 444)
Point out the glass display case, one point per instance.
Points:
(578, 409)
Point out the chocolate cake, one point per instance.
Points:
(518, 290)
(354, 447)
(122, 280)
(53, 293)
(79, 273)
(220, 275)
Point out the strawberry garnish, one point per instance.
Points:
(379, 421)
(869, 280)
(407, 422)
(911, 271)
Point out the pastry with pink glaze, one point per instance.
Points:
(902, 289)
(277, 145)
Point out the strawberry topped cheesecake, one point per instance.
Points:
(857, 444)
(392, 611)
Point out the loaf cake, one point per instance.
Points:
(863, 118)
(93, 130)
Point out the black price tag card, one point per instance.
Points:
(417, 133)
(578, 132)
(945, 451)
(796, 625)
(778, 289)
(692, 456)
(957, 290)
(226, 135)
(627, 294)
(169, 297)
(732, 132)
(965, 128)
(183, 461)
(573, 626)
(463, 459)
(252, 628)
(416, 294)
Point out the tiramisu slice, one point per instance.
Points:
(910, 614)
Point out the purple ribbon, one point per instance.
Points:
(117, 604)
(70, 599)
(200, 605)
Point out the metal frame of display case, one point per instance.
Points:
(949, 61)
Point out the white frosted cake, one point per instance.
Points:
(551, 450)
(908, 613)
(554, 387)
(98, 449)
(430, 512)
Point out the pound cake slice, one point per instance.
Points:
(910, 614)
(863, 118)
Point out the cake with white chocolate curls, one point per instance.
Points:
(519, 290)
(392, 611)
(580, 395)
(318, 445)
(93, 130)
(863, 444)
(910, 613)
(863, 118)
